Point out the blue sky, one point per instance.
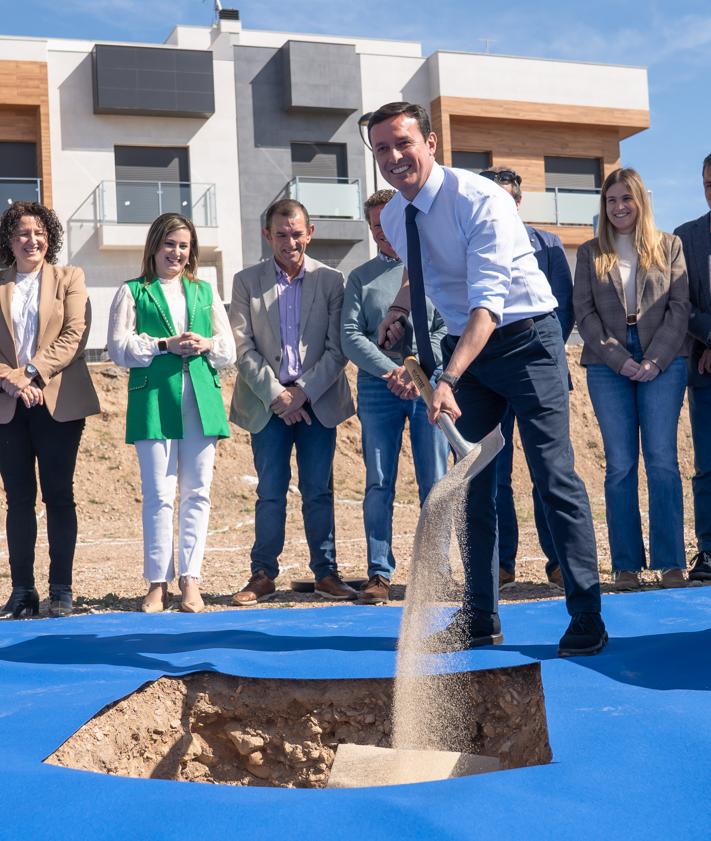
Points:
(672, 40)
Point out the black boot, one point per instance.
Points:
(60, 600)
(23, 603)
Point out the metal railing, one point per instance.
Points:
(561, 207)
(328, 198)
(19, 189)
(140, 202)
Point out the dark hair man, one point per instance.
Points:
(467, 248)
(696, 240)
(551, 259)
(291, 392)
(386, 399)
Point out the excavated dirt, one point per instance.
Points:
(214, 728)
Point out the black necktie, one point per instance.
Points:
(417, 292)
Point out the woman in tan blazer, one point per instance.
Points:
(45, 394)
(631, 301)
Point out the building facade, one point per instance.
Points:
(219, 121)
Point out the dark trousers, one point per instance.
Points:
(527, 370)
(700, 412)
(315, 447)
(506, 510)
(34, 436)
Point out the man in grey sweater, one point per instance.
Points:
(386, 398)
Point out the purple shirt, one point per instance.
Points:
(289, 297)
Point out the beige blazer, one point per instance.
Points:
(254, 316)
(662, 309)
(63, 329)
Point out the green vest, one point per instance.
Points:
(155, 393)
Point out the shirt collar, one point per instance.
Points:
(428, 192)
(282, 276)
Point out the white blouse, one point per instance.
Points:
(25, 317)
(137, 350)
(627, 262)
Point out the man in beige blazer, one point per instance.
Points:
(291, 391)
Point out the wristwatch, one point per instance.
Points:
(162, 346)
(31, 371)
(450, 379)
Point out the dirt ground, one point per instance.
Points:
(108, 565)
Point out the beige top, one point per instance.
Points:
(627, 261)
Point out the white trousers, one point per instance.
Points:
(187, 464)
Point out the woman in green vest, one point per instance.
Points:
(173, 334)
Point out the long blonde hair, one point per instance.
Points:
(647, 239)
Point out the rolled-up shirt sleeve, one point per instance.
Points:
(489, 256)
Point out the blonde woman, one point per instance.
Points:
(173, 333)
(631, 302)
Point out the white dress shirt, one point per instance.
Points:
(137, 350)
(25, 314)
(475, 249)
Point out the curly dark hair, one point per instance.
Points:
(10, 219)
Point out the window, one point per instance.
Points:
(319, 160)
(473, 161)
(572, 173)
(18, 173)
(151, 180)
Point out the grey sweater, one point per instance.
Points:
(370, 290)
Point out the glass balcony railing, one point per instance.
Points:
(19, 189)
(329, 198)
(140, 202)
(561, 207)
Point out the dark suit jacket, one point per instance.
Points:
(696, 240)
(553, 263)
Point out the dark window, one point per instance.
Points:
(572, 173)
(319, 160)
(473, 161)
(150, 181)
(18, 173)
(156, 81)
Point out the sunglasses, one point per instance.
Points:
(506, 176)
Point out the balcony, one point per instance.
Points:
(561, 207)
(19, 189)
(124, 209)
(335, 203)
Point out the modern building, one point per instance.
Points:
(219, 121)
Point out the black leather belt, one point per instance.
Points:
(631, 320)
(517, 326)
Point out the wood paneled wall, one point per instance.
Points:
(24, 113)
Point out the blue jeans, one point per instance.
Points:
(315, 448)
(625, 410)
(506, 510)
(382, 417)
(700, 412)
(527, 370)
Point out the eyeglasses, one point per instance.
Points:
(505, 176)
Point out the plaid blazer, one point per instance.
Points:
(662, 309)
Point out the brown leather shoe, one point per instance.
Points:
(555, 576)
(506, 578)
(626, 580)
(673, 577)
(376, 591)
(331, 587)
(259, 588)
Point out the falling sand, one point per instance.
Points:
(426, 713)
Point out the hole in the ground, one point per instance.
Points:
(215, 728)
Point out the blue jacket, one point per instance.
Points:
(553, 263)
(696, 241)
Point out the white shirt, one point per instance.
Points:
(475, 249)
(137, 350)
(627, 258)
(25, 317)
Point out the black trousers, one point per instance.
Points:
(34, 436)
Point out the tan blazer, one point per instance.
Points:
(254, 316)
(662, 309)
(63, 329)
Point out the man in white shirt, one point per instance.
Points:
(468, 251)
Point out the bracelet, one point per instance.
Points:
(399, 309)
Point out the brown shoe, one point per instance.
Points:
(506, 578)
(259, 588)
(555, 576)
(376, 591)
(626, 580)
(331, 587)
(673, 577)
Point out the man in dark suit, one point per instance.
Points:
(696, 240)
(553, 263)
